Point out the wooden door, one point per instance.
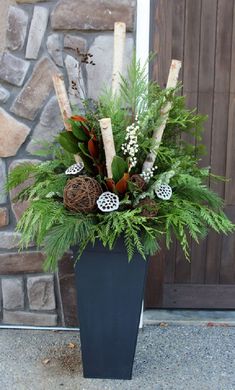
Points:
(201, 33)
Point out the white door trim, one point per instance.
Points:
(142, 31)
(142, 50)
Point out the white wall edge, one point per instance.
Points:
(142, 52)
(143, 31)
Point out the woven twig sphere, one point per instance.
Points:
(81, 194)
(138, 181)
(149, 207)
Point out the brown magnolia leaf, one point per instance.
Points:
(92, 134)
(78, 118)
(93, 148)
(110, 184)
(82, 121)
(121, 185)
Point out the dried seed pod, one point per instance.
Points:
(81, 194)
(75, 168)
(149, 207)
(108, 202)
(164, 191)
(138, 181)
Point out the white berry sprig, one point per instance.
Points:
(148, 174)
(130, 147)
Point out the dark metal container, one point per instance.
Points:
(109, 294)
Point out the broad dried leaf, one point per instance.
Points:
(93, 148)
(46, 361)
(78, 118)
(71, 345)
(122, 184)
(163, 325)
(111, 185)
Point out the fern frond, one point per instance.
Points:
(134, 87)
(35, 222)
(20, 174)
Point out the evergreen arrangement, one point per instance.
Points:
(126, 181)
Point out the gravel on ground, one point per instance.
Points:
(167, 358)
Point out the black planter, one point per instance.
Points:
(109, 295)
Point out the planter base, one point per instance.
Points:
(109, 294)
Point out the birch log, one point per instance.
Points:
(64, 104)
(63, 100)
(109, 148)
(158, 132)
(118, 54)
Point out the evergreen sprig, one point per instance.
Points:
(192, 210)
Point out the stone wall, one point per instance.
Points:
(42, 37)
(4, 4)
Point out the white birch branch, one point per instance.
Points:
(109, 147)
(158, 132)
(118, 54)
(64, 104)
(76, 90)
(63, 100)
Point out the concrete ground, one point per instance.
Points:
(168, 357)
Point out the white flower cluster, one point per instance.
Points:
(148, 174)
(131, 147)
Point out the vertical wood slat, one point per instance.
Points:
(230, 167)
(162, 40)
(191, 48)
(207, 71)
(178, 12)
(220, 124)
(161, 30)
(178, 21)
(221, 90)
(155, 282)
(190, 86)
(205, 107)
(205, 40)
(227, 264)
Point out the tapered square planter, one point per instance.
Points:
(109, 294)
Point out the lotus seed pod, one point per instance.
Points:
(164, 191)
(108, 202)
(74, 169)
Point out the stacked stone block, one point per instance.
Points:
(28, 297)
(44, 37)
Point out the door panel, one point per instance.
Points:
(202, 35)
